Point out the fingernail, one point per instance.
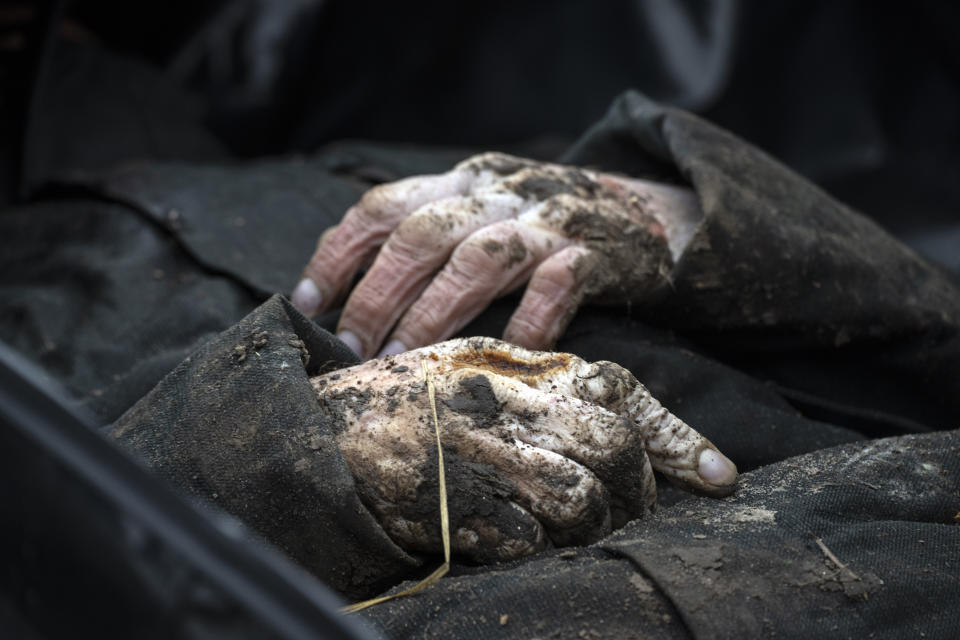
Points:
(350, 339)
(306, 297)
(716, 468)
(392, 348)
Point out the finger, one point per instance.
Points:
(550, 301)
(486, 524)
(566, 498)
(490, 263)
(601, 440)
(679, 451)
(587, 434)
(413, 253)
(343, 249)
(674, 447)
(501, 531)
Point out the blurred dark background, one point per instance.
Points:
(861, 97)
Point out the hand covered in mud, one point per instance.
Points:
(444, 246)
(539, 447)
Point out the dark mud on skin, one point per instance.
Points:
(492, 247)
(498, 163)
(593, 524)
(541, 186)
(630, 257)
(335, 405)
(477, 402)
(393, 400)
(626, 261)
(516, 250)
(478, 499)
(626, 504)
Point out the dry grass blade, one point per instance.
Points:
(444, 513)
(834, 559)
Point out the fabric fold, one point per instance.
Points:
(237, 424)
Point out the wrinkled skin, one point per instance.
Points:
(539, 447)
(443, 247)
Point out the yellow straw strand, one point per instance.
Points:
(444, 513)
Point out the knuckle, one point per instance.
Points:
(423, 232)
(553, 281)
(495, 162)
(400, 251)
(475, 257)
(546, 181)
(385, 205)
(493, 249)
(375, 205)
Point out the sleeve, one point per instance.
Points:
(237, 424)
(785, 282)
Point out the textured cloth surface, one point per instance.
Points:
(746, 566)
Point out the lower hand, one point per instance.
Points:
(539, 447)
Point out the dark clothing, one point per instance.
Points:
(792, 325)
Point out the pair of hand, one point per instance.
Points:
(539, 447)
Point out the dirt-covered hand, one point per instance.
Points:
(539, 447)
(444, 246)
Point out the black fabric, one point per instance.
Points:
(104, 300)
(253, 222)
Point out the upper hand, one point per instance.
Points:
(444, 246)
